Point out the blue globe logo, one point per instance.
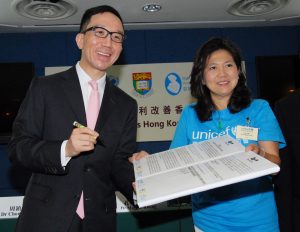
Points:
(173, 84)
(114, 80)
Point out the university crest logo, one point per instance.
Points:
(142, 83)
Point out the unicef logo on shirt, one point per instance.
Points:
(114, 80)
(233, 130)
(173, 84)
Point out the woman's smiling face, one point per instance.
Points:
(220, 75)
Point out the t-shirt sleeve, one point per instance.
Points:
(269, 129)
(180, 137)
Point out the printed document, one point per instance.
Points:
(196, 168)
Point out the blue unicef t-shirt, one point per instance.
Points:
(245, 206)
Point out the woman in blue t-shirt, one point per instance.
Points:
(223, 102)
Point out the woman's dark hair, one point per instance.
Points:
(240, 98)
(86, 18)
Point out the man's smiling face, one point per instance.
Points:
(98, 54)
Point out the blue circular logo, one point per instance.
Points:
(173, 84)
(114, 80)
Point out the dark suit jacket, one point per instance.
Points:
(287, 182)
(45, 119)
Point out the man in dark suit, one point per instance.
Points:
(69, 164)
(287, 182)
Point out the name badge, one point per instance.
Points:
(246, 132)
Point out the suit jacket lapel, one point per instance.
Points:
(108, 104)
(294, 101)
(298, 99)
(73, 93)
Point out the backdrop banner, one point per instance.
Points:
(161, 91)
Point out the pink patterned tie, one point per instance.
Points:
(80, 208)
(91, 118)
(93, 106)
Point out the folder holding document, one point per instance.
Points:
(196, 168)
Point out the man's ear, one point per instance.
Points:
(79, 40)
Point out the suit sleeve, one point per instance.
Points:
(280, 119)
(27, 147)
(283, 180)
(122, 173)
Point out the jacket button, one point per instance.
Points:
(86, 169)
(77, 197)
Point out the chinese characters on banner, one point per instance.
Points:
(161, 91)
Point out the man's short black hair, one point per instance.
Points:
(86, 18)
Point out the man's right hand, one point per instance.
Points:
(82, 139)
(138, 156)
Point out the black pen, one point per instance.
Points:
(78, 125)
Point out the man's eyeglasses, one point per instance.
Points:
(103, 33)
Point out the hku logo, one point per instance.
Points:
(142, 83)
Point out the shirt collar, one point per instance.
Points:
(84, 78)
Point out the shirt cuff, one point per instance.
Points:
(134, 198)
(63, 158)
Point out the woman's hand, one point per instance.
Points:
(255, 148)
(267, 149)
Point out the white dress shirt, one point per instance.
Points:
(86, 90)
